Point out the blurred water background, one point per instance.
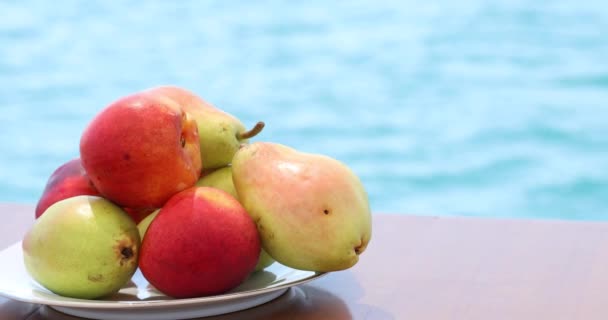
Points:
(484, 108)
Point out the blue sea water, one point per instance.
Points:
(483, 108)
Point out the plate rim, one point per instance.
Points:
(175, 302)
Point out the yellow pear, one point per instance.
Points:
(312, 211)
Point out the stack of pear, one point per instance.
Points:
(311, 211)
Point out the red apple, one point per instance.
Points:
(69, 180)
(202, 242)
(141, 150)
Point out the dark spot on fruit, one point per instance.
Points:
(126, 253)
(183, 141)
(95, 277)
(126, 156)
(258, 224)
(358, 250)
(326, 211)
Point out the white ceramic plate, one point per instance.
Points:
(139, 300)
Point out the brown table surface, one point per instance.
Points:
(421, 267)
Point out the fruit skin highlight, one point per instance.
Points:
(141, 150)
(69, 180)
(82, 247)
(312, 211)
(202, 242)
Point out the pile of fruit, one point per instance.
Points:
(170, 184)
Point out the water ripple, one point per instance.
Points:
(468, 107)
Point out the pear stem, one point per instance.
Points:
(251, 133)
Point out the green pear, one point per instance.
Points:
(222, 179)
(312, 211)
(82, 247)
(264, 261)
(220, 133)
(143, 225)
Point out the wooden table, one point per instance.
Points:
(420, 267)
